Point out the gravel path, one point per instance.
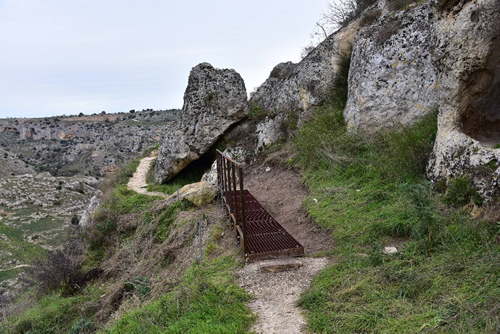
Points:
(282, 193)
(138, 181)
(276, 294)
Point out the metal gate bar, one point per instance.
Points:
(261, 236)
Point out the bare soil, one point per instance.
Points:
(281, 192)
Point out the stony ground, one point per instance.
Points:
(36, 210)
(276, 294)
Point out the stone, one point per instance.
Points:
(390, 250)
(392, 77)
(237, 153)
(86, 218)
(291, 92)
(214, 100)
(199, 193)
(279, 265)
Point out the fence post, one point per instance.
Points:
(243, 218)
(199, 233)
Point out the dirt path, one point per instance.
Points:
(138, 181)
(281, 192)
(275, 295)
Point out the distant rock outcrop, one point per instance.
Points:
(85, 145)
(214, 100)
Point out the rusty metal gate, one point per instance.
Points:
(261, 236)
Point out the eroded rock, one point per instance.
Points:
(466, 54)
(392, 78)
(292, 90)
(214, 100)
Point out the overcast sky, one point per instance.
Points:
(66, 57)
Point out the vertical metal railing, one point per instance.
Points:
(230, 178)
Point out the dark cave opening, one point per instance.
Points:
(480, 118)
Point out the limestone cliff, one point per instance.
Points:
(89, 145)
(392, 77)
(467, 56)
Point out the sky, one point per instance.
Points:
(65, 57)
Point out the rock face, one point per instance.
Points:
(291, 90)
(410, 62)
(467, 53)
(297, 87)
(214, 100)
(392, 78)
(90, 145)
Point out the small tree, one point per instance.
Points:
(338, 15)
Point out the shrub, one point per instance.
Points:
(370, 17)
(447, 5)
(49, 274)
(460, 192)
(388, 29)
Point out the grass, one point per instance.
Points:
(206, 301)
(371, 192)
(55, 314)
(168, 217)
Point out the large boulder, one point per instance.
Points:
(214, 100)
(392, 78)
(467, 53)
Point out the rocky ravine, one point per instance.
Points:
(85, 145)
(36, 211)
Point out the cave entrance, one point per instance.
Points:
(194, 171)
(481, 103)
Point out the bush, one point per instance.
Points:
(49, 274)
(460, 192)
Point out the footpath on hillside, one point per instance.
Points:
(275, 294)
(138, 181)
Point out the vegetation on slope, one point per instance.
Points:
(372, 192)
(138, 273)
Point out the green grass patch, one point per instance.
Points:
(124, 201)
(450, 292)
(206, 301)
(55, 314)
(167, 219)
(371, 191)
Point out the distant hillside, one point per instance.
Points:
(88, 145)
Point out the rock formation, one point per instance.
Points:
(292, 89)
(214, 100)
(467, 55)
(392, 78)
(408, 62)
